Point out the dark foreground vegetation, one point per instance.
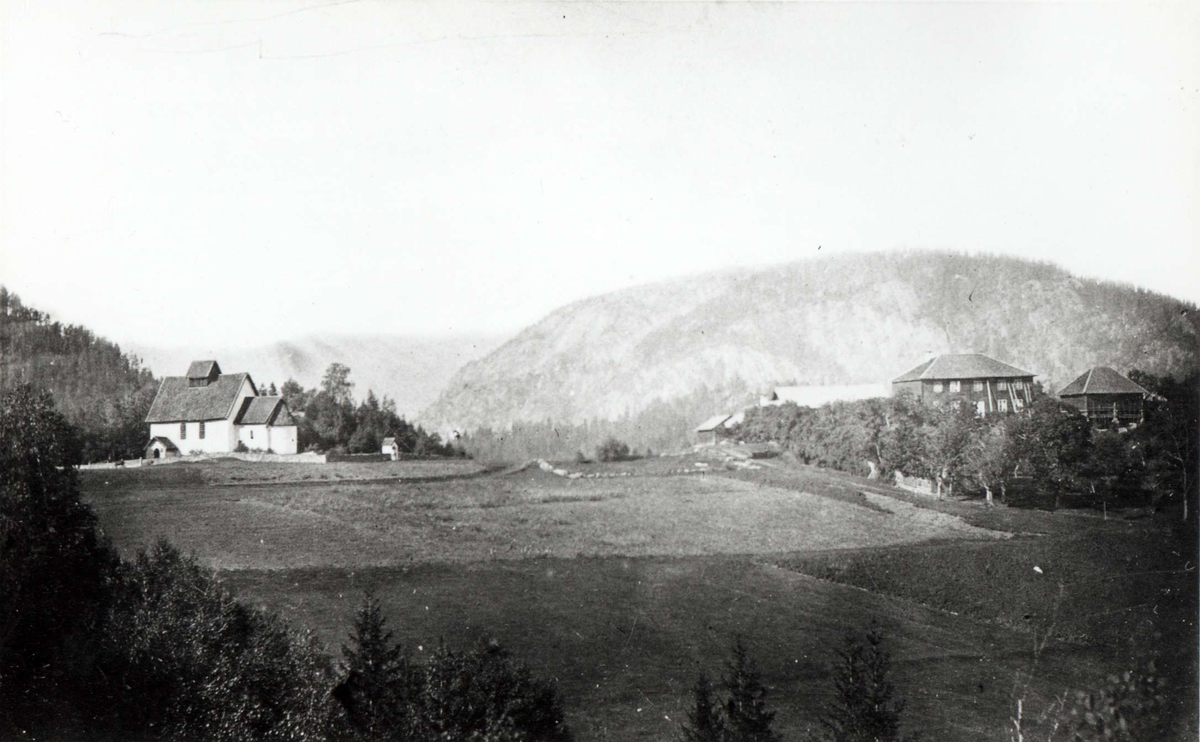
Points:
(1050, 450)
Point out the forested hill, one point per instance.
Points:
(833, 320)
(102, 391)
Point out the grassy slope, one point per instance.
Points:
(647, 578)
(624, 637)
(361, 523)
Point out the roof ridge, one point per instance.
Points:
(933, 362)
(1088, 380)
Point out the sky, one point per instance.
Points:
(236, 173)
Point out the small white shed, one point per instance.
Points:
(391, 448)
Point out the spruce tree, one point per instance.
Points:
(706, 722)
(865, 708)
(746, 714)
(374, 692)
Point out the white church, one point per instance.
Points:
(207, 411)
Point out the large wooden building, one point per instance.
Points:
(1106, 397)
(973, 379)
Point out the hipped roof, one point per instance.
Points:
(1101, 380)
(963, 366)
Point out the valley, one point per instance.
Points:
(622, 588)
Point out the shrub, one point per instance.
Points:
(241, 447)
(1127, 709)
(613, 450)
(191, 662)
(486, 694)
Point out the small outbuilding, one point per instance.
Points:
(160, 447)
(391, 448)
(1106, 397)
(712, 430)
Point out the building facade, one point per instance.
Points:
(1106, 397)
(206, 411)
(969, 379)
(712, 431)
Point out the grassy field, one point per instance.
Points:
(622, 588)
(513, 516)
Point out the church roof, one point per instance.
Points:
(1101, 380)
(178, 401)
(963, 366)
(203, 369)
(264, 411)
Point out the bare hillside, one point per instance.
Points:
(851, 319)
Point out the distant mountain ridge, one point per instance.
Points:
(852, 319)
(409, 369)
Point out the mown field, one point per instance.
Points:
(622, 588)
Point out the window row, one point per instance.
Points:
(977, 386)
(981, 405)
(183, 431)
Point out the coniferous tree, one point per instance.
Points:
(706, 721)
(374, 692)
(746, 714)
(865, 708)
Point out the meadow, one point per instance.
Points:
(622, 588)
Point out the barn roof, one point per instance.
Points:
(963, 366)
(712, 423)
(178, 401)
(203, 369)
(388, 442)
(264, 411)
(1101, 380)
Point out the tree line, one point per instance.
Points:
(1050, 446)
(328, 419)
